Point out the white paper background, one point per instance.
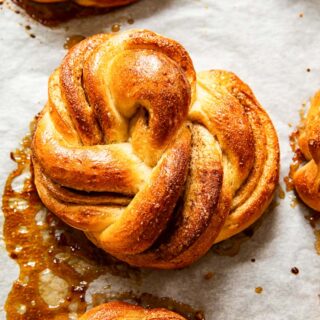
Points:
(270, 47)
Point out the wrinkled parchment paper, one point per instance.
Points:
(269, 44)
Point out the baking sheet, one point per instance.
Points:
(270, 45)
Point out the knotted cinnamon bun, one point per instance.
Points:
(307, 178)
(120, 310)
(154, 162)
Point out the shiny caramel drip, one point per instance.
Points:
(116, 27)
(55, 257)
(72, 41)
(258, 290)
(130, 21)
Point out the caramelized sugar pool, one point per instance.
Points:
(57, 263)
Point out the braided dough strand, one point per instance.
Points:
(154, 162)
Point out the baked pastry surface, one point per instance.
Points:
(120, 310)
(154, 162)
(307, 178)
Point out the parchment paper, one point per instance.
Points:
(270, 46)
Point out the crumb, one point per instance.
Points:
(258, 290)
(253, 260)
(294, 201)
(32, 35)
(12, 156)
(281, 193)
(116, 27)
(295, 270)
(208, 275)
(301, 15)
(13, 255)
(308, 69)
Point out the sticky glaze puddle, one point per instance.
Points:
(59, 267)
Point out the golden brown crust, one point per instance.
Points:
(152, 163)
(120, 310)
(307, 178)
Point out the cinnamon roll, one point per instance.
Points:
(121, 310)
(153, 161)
(307, 178)
(92, 3)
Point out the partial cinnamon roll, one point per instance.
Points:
(92, 3)
(121, 310)
(154, 162)
(307, 178)
(53, 12)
